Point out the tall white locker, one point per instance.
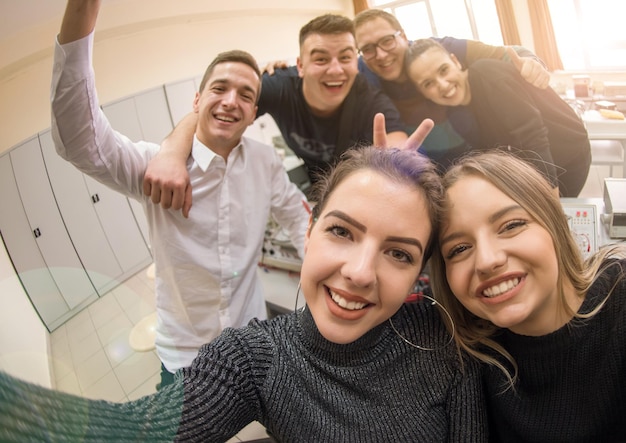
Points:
(99, 220)
(154, 115)
(145, 116)
(37, 240)
(80, 218)
(121, 227)
(27, 260)
(46, 223)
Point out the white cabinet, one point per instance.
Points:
(100, 222)
(80, 218)
(37, 240)
(145, 116)
(70, 238)
(47, 225)
(121, 227)
(27, 260)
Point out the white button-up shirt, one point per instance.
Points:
(206, 265)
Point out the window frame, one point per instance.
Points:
(393, 5)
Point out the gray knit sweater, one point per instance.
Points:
(284, 374)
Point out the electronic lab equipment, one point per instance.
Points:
(278, 251)
(615, 206)
(584, 222)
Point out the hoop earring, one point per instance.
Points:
(295, 308)
(423, 348)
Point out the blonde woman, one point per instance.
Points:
(550, 328)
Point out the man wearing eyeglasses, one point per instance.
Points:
(382, 44)
(321, 106)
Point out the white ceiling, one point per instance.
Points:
(19, 15)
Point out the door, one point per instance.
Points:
(47, 226)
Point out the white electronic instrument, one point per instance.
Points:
(278, 252)
(615, 206)
(584, 222)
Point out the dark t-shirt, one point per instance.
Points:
(316, 140)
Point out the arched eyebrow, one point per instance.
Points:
(345, 217)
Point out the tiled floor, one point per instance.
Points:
(92, 355)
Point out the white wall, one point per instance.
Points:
(139, 44)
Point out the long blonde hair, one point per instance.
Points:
(521, 182)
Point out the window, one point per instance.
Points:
(590, 34)
(476, 20)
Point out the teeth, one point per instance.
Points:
(334, 84)
(349, 305)
(225, 119)
(450, 93)
(501, 288)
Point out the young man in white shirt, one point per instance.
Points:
(206, 263)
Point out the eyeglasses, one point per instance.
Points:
(386, 43)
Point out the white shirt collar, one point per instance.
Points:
(203, 155)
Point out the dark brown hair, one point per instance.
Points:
(326, 24)
(236, 56)
(404, 166)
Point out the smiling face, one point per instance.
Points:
(363, 254)
(328, 67)
(226, 106)
(500, 263)
(388, 65)
(440, 78)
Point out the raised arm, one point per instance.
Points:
(528, 64)
(166, 180)
(79, 20)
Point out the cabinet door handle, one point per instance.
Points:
(95, 198)
(37, 232)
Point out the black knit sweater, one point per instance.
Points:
(572, 382)
(536, 123)
(284, 374)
